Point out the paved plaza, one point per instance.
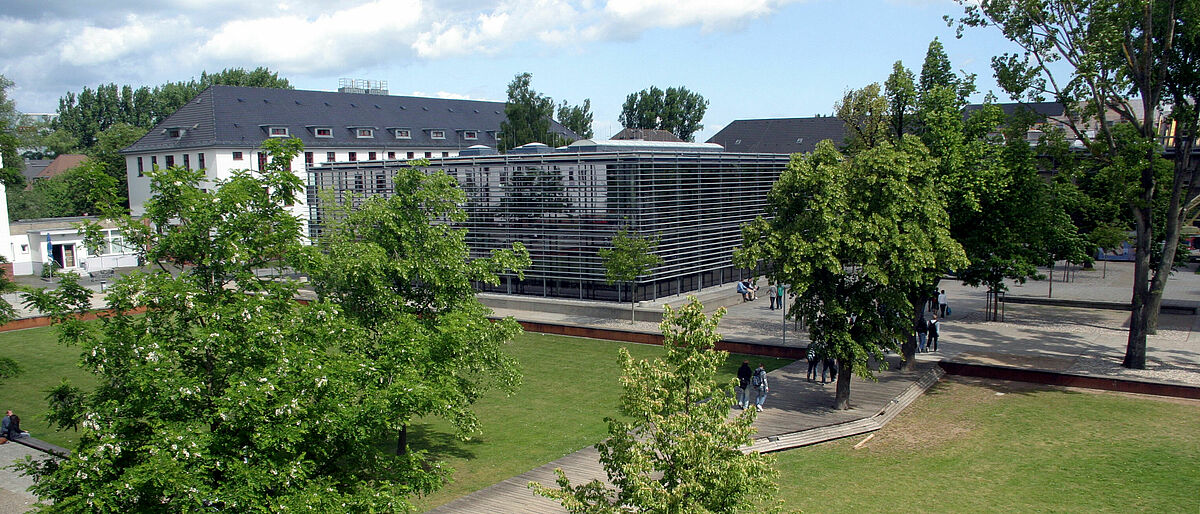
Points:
(1032, 336)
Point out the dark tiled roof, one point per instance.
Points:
(240, 117)
(646, 135)
(779, 135)
(33, 167)
(1043, 109)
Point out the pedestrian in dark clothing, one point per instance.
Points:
(829, 365)
(813, 361)
(934, 332)
(14, 427)
(922, 329)
(743, 375)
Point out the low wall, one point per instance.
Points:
(1170, 308)
(1069, 379)
(630, 336)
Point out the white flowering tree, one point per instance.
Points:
(225, 394)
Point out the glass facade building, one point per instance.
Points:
(565, 205)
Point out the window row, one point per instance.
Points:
(169, 161)
(369, 133)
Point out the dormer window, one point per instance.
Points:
(323, 132)
(278, 131)
(364, 133)
(471, 135)
(174, 133)
(437, 134)
(403, 134)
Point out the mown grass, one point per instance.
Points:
(977, 446)
(569, 387)
(44, 363)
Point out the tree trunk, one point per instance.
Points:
(402, 440)
(632, 302)
(841, 400)
(1175, 217)
(1135, 349)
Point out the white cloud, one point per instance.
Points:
(334, 41)
(708, 14)
(509, 22)
(450, 95)
(96, 45)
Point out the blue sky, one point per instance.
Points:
(750, 58)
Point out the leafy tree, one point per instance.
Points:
(854, 236)
(936, 72)
(80, 191)
(106, 154)
(527, 116)
(865, 114)
(10, 161)
(630, 257)
(578, 118)
(679, 450)
(226, 394)
(676, 110)
(1092, 57)
(86, 114)
(901, 93)
(404, 276)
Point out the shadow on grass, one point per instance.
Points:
(440, 444)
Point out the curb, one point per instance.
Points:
(1070, 379)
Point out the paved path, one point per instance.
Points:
(14, 496)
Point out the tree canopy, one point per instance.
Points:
(675, 448)
(578, 118)
(676, 110)
(630, 257)
(527, 116)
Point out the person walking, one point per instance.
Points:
(922, 329)
(934, 332)
(773, 292)
(759, 381)
(744, 374)
(829, 365)
(813, 361)
(942, 304)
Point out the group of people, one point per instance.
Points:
(748, 290)
(827, 364)
(752, 380)
(10, 427)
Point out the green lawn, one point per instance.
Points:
(965, 448)
(570, 385)
(44, 362)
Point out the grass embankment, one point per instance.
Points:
(965, 447)
(569, 387)
(44, 363)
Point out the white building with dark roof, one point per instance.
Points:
(223, 129)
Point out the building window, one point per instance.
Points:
(153, 162)
(403, 134)
(410, 155)
(371, 156)
(445, 154)
(262, 161)
(353, 156)
(428, 154)
(174, 133)
(141, 169)
(279, 131)
(24, 248)
(391, 155)
(471, 135)
(200, 160)
(437, 134)
(330, 156)
(364, 133)
(187, 162)
(170, 161)
(308, 157)
(237, 156)
(323, 132)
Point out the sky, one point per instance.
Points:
(750, 58)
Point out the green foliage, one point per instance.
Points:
(679, 450)
(853, 236)
(630, 257)
(865, 114)
(225, 393)
(90, 112)
(527, 116)
(81, 191)
(901, 93)
(402, 273)
(578, 118)
(67, 404)
(10, 171)
(937, 72)
(9, 368)
(676, 110)
(106, 153)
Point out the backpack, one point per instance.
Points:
(758, 379)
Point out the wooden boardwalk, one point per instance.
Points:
(796, 413)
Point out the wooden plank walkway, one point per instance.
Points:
(796, 413)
